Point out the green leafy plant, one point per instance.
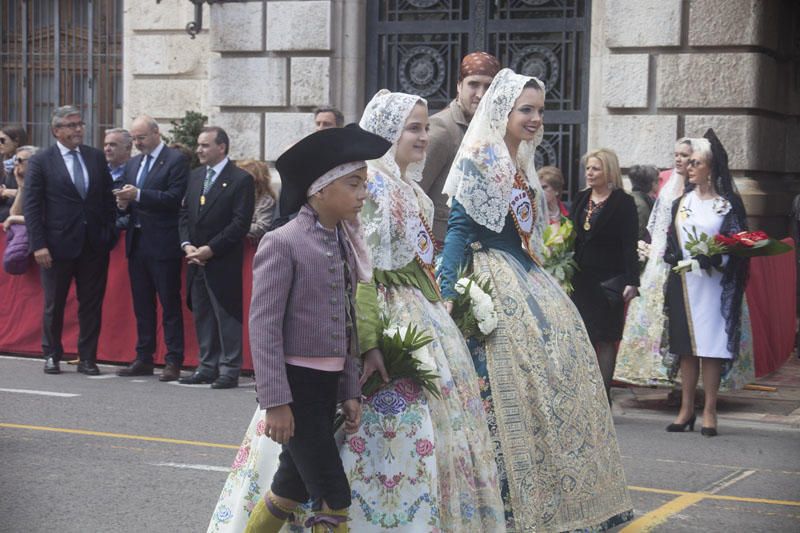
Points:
(405, 355)
(185, 131)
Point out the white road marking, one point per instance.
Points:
(208, 468)
(138, 381)
(730, 479)
(198, 385)
(41, 392)
(40, 360)
(104, 376)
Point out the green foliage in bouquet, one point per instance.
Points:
(401, 357)
(703, 244)
(559, 261)
(473, 309)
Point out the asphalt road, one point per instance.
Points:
(135, 455)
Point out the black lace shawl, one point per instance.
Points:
(734, 273)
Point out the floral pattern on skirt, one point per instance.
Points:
(421, 463)
(249, 478)
(548, 413)
(416, 464)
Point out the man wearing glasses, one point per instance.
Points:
(69, 211)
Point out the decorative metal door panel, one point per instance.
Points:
(57, 52)
(416, 46)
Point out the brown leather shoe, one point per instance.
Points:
(170, 373)
(137, 368)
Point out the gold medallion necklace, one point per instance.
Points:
(587, 225)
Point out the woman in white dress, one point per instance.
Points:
(639, 360)
(704, 306)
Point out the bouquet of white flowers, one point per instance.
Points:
(473, 309)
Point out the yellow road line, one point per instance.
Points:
(119, 436)
(707, 496)
(660, 515)
(658, 491)
(684, 499)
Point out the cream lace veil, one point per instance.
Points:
(395, 202)
(482, 174)
(661, 216)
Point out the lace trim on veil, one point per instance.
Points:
(482, 174)
(395, 202)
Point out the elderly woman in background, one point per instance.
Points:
(606, 228)
(265, 198)
(553, 186)
(704, 306)
(643, 179)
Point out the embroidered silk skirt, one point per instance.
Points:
(555, 443)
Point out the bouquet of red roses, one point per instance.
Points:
(752, 244)
(742, 244)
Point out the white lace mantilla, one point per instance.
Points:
(482, 174)
(390, 217)
(661, 217)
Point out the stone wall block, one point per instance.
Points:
(625, 81)
(166, 98)
(735, 80)
(168, 15)
(643, 23)
(734, 22)
(168, 55)
(299, 26)
(793, 145)
(244, 130)
(282, 130)
(753, 143)
(247, 81)
(639, 139)
(237, 27)
(310, 81)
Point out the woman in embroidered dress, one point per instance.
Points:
(704, 306)
(417, 463)
(640, 361)
(555, 443)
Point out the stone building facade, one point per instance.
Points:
(658, 70)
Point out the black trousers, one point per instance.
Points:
(219, 334)
(90, 271)
(150, 277)
(310, 466)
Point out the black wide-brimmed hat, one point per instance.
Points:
(316, 154)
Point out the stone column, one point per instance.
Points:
(164, 71)
(662, 69)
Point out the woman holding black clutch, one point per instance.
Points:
(606, 226)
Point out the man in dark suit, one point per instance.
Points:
(69, 211)
(154, 185)
(215, 218)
